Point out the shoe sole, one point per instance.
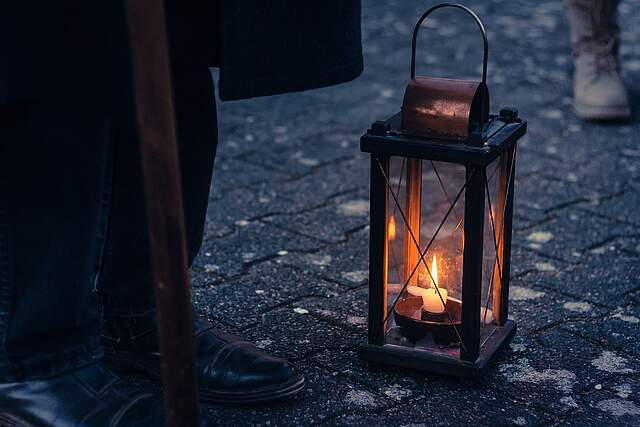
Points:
(588, 112)
(121, 362)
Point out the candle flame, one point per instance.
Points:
(391, 231)
(434, 272)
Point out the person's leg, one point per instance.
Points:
(599, 93)
(125, 278)
(228, 369)
(53, 206)
(54, 166)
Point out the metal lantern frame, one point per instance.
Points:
(489, 141)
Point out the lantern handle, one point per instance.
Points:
(468, 11)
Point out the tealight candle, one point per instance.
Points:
(434, 296)
(431, 301)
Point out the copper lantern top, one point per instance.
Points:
(448, 109)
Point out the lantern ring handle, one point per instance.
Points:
(468, 11)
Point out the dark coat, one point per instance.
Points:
(279, 46)
(74, 52)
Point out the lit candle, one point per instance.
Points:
(431, 301)
(433, 298)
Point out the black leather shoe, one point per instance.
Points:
(229, 370)
(89, 396)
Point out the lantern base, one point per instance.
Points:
(440, 363)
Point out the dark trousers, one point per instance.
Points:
(73, 236)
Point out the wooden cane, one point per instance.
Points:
(163, 198)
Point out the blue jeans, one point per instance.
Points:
(73, 233)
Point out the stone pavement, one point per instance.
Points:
(284, 261)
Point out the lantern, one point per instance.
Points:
(442, 185)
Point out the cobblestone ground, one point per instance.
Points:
(285, 258)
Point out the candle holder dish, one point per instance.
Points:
(415, 323)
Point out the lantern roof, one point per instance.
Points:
(481, 147)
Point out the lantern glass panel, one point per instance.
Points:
(491, 270)
(424, 252)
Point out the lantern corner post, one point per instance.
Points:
(472, 262)
(411, 237)
(506, 191)
(378, 250)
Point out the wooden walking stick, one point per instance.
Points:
(163, 197)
